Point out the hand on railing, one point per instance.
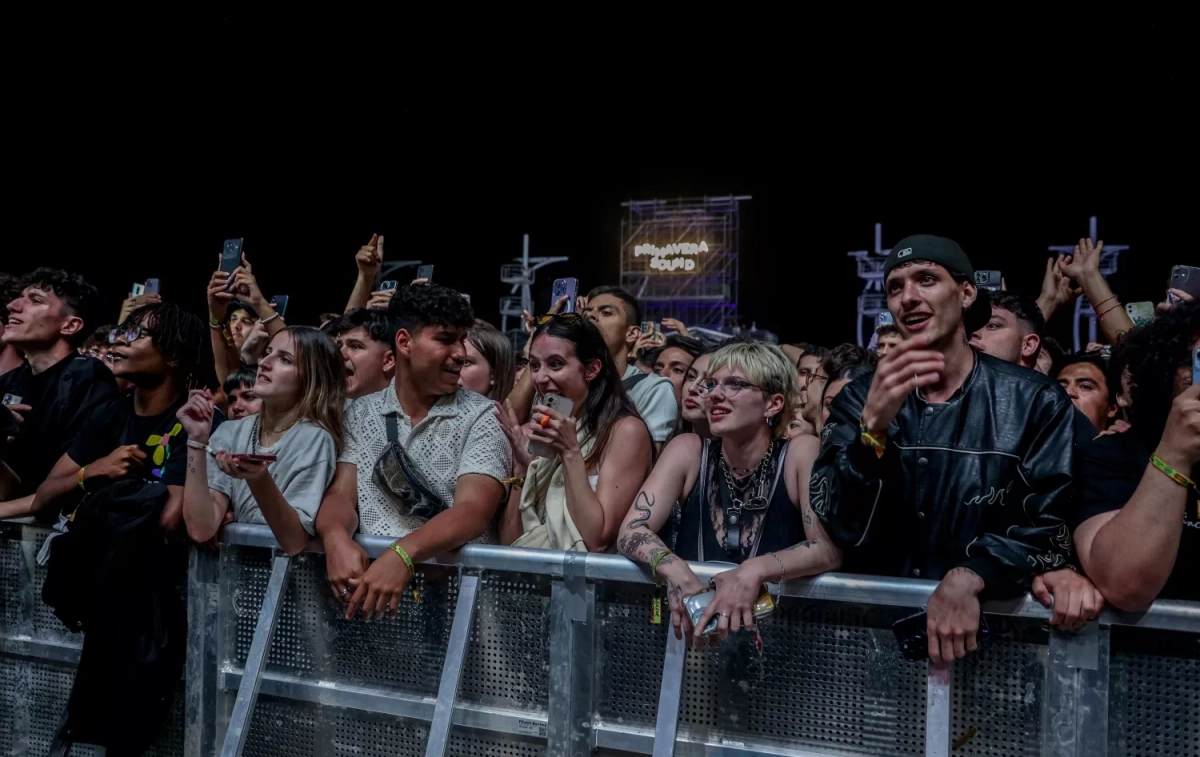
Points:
(345, 563)
(1073, 598)
(381, 588)
(733, 603)
(953, 616)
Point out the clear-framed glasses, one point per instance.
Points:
(128, 335)
(730, 387)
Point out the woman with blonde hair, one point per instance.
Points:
(489, 367)
(273, 467)
(743, 494)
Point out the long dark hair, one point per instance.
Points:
(1153, 353)
(607, 402)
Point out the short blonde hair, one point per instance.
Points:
(767, 366)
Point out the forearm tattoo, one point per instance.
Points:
(642, 546)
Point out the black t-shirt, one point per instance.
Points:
(62, 398)
(160, 436)
(1110, 469)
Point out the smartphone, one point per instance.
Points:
(649, 327)
(231, 258)
(388, 285)
(1140, 312)
(11, 399)
(425, 272)
(255, 458)
(696, 604)
(560, 405)
(1195, 370)
(989, 280)
(151, 286)
(884, 319)
(1185, 278)
(568, 288)
(280, 302)
(137, 290)
(912, 635)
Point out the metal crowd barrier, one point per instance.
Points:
(515, 653)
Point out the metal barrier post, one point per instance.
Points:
(200, 684)
(667, 724)
(1077, 692)
(256, 659)
(572, 656)
(937, 710)
(456, 653)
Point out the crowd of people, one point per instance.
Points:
(965, 446)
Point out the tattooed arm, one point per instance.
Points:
(737, 589)
(671, 480)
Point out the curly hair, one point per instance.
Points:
(178, 334)
(81, 298)
(10, 289)
(1153, 353)
(413, 308)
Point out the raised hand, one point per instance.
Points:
(380, 300)
(196, 415)
(1085, 261)
(676, 325)
(370, 257)
(218, 296)
(517, 437)
(908, 366)
(1057, 288)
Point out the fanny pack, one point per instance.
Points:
(401, 481)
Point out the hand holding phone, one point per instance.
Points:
(989, 280)
(563, 407)
(231, 258)
(255, 458)
(388, 285)
(151, 286)
(568, 288)
(1185, 278)
(884, 319)
(1140, 312)
(137, 290)
(280, 303)
(425, 272)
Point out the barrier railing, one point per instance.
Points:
(519, 652)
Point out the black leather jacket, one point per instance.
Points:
(983, 481)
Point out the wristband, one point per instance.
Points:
(408, 563)
(879, 445)
(215, 325)
(654, 563)
(81, 470)
(515, 481)
(1101, 302)
(265, 321)
(197, 445)
(1170, 472)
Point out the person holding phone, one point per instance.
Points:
(600, 451)
(743, 495)
(273, 467)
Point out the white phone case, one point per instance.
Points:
(560, 405)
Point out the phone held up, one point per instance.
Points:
(884, 319)
(649, 327)
(989, 280)
(568, 288)
(1195, 369)
(1140, 312)
(280, 303)
(425, 272)
(1185, 278)
(388, 285)
(563, 407)
(11, 399)
(912, 635)
(231, 258)
(137, 290)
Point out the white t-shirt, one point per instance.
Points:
(655, 400)
(460, 435)
(307, 460)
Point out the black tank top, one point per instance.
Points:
(779, 527)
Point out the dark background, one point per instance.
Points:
(159, 145)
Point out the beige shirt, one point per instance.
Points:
(460, 435)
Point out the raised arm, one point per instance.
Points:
(368, 260)
(673, 476)
(225, 356)
(1084, 268)
(203, 508)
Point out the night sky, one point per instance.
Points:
(143, 165)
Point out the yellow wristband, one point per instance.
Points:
(654, 563)
(412, 572)
(81, 470)
(1170, 472)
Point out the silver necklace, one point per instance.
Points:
(756, 502)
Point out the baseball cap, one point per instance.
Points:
(947, 253)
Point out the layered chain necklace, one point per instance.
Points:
(254, 438)
(750, 497)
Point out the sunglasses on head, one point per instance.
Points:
(542, 320)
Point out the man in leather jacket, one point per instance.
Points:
(946, 463)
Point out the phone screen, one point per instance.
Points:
(425, 272)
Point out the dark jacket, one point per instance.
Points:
(115, 577)
(982, 481)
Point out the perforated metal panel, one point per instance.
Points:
(470, 745)
(508, 660)
(998, 692)
(281, 729)
(1154, 705)
(313, 638)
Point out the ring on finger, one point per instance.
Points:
(343, 592)
(545, 421)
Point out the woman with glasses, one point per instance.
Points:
(573, 488)
(273, 467)
(743, 494)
